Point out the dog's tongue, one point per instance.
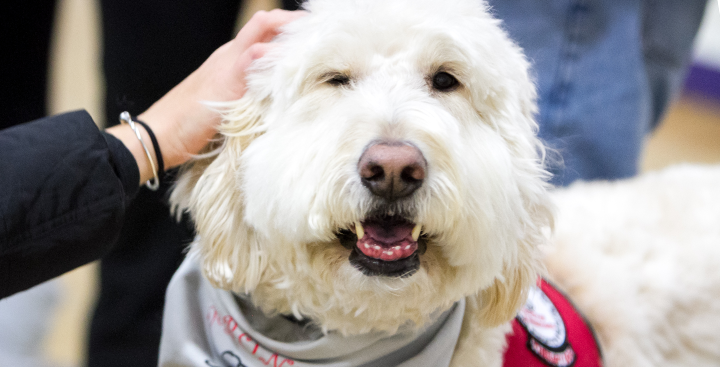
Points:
(387, 241)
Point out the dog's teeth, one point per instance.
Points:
(416, 232)
(366, 245)
(359, 230)
(407, 247)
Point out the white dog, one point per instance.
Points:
(379, 199)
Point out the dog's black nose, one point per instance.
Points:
(392, 170)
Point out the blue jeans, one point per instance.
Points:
(605, 71)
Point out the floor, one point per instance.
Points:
(690, 133)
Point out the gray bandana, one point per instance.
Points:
(205, 326)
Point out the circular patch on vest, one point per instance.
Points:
(542, 320)
(546, 330)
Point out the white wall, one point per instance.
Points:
(707, 44)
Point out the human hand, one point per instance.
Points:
(182, 124)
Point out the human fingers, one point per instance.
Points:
(238, 83)
(263, 26)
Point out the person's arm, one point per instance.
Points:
(64, 185)
(62, 197)
(181, 123)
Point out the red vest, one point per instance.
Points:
(549, 331)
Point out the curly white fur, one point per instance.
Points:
(640, 259)
(268, 206)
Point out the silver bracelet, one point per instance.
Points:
(154, 183)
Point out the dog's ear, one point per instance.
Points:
(501, 301)
(242, 122)
(209, 190)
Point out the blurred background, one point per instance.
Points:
(689, 133)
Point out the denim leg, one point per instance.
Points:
(669, 27)
(599, 93)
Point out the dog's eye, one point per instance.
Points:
(339, 80)
(444, 82)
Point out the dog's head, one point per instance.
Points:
(382, 165)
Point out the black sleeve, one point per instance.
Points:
(64, 187)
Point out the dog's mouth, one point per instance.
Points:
(388, 246)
